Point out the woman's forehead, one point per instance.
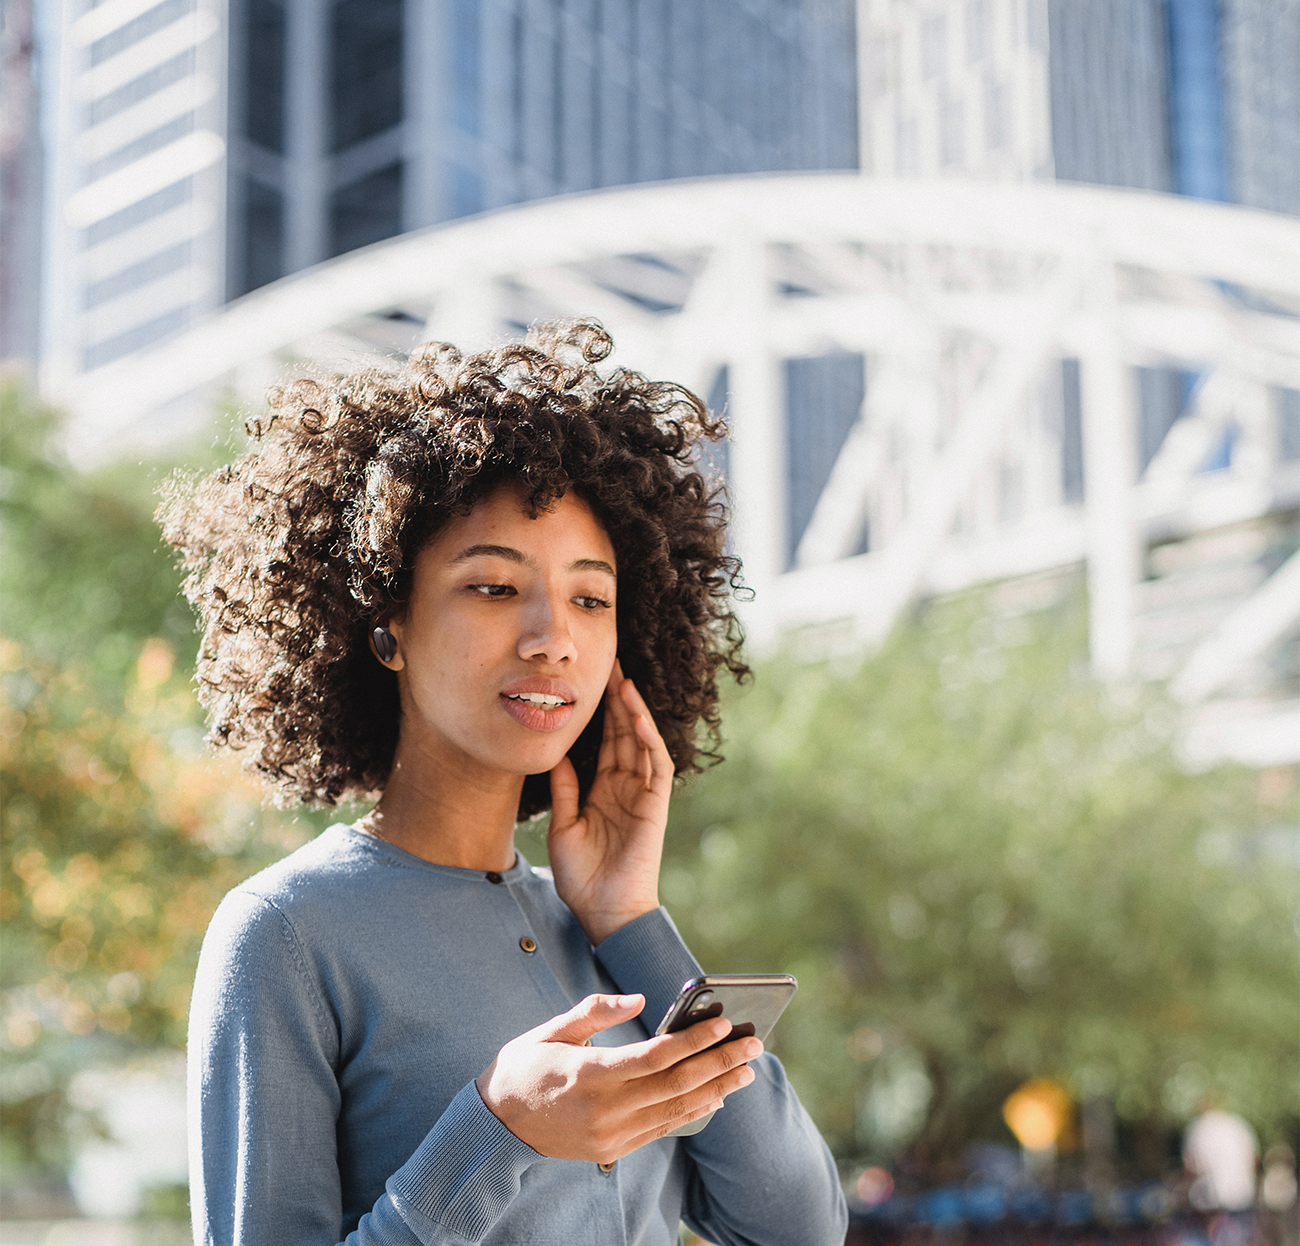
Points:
(502, 524)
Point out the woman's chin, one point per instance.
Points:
(524, 762)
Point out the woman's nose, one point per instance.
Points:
(545, 634)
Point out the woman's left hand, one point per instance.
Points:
(605, 858)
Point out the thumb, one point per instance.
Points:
(590, 1016)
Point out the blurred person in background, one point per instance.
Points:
(1220, 1153)
(430, 586)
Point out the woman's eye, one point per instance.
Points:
(492, 590)
(592, 603)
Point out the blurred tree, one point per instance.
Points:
(119, 834)
(984, 867)
(84, 578)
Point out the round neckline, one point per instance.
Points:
(408, 860)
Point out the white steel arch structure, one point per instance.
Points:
(994, 324)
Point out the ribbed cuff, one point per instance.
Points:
(648, 957)
(465, 1173)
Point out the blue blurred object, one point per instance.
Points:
(1154, 1201)
(1031, 1205)
(1074, 1207)
(1118, 1207)
(1220, 457)
(1196, 99)
(1130, 1215)
(985, 1204)
(994, 1163)
(898, 1209)
(942, 1207)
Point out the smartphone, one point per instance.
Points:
(752, 1002)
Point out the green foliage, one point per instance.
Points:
(167, 1202)
(84, 577)
(984, 867)
(119, 835)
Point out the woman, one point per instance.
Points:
(480, 588)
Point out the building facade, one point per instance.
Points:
(199, 149)
(20, 186)
(1197, 97)
(134, 103)
(954, 88)
(356, 120)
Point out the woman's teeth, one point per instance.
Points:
(545, 700)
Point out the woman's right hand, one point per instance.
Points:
(571, 1101)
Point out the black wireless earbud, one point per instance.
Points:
(385, 645)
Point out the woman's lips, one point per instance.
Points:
(525, 702)
(537, 717)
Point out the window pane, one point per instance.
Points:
(366, 69)
(263, 236)
(1288, 424)
(1072, 489)
(1164, 396)
(823, 398)
(1109, 79)
(366, 211)
(265, 97)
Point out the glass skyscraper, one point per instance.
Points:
(1201, 97)
(355, 120)
(133, 104)
(1198, 97)
(199, 149)
(20, 186)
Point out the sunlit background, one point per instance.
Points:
(1000, 300)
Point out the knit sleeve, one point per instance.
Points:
(760, 1174)
(264, 1102)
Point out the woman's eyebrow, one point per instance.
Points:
(514, 555)
(494, 551)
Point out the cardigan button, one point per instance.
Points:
(493, 877)
(529, 945)
(605, 1167)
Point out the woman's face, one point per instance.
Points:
(509, 636)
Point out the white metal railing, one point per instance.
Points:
(963, 298)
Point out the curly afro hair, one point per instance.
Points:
(294, 552)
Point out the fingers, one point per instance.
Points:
(663, 1129)
(564, 794)
(621, 720)
(709, 1075)
(588, 1017)
(659, 1118)
(660, 767)
(659, 762)
(662, 1052)
(606, 759)
(637, 745)
(674, 1065)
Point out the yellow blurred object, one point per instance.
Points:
(153, 668)
(1037, 1113)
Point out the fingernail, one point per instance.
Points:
(753, 1048)
(628, 1001)
(746, 1075)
